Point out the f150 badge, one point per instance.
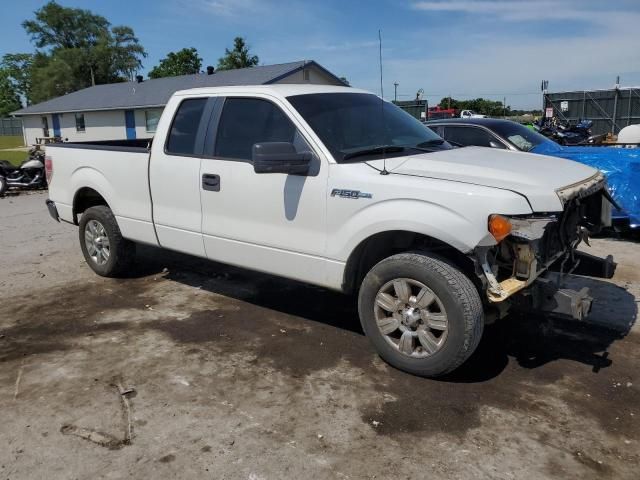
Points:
(355, 194)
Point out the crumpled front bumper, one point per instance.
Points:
(547, 242)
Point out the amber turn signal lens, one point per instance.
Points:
(499, 227)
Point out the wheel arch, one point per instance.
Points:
(381, 245)
(84, 198)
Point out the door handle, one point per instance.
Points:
(211, 182)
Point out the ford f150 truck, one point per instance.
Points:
(335, 187)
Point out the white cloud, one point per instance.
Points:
(230, 8)
(335, 47)
(500, 57)
(523, 10)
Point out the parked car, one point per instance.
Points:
(335, 187)
(622, 166)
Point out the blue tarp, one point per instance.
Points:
(621, 165)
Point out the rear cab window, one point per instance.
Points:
(184, 127)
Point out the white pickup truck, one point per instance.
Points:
(471, 114)
(335, 187)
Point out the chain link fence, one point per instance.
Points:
(610, 110)
(10, 127)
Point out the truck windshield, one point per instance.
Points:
(522, 137)
(357, 126)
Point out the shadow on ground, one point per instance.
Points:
(533, 340)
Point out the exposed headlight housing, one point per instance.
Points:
(531, 228)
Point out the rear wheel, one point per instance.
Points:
(423, 315)
(105, 250)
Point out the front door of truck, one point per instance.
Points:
(273, 222)
(174, 174)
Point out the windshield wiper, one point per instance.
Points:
(435, 141)
(374, 150)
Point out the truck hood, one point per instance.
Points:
(537, 177)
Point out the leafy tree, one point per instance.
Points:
(18, 70)
(478, 105)
(60, 27)
(239, 57)
(182, 62)
(9, 98)
(75, 49)
(346, 82)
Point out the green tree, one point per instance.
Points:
(479, 105)
(75, 48)
(238, 57)
(183, 62)
(9, 98)
(18, 69)
(345, 81)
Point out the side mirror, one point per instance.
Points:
(494, 144)
(280, 157)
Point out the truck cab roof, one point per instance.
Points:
(280, 90)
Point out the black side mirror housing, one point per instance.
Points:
(280, 157)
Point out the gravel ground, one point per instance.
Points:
(197, 370)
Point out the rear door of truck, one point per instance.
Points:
(174, 173)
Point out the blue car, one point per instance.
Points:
(622, 166)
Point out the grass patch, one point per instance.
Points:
(11, 141)
(16, 157)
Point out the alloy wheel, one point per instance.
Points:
(411, 317)
(97, 242)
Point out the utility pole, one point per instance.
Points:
(615, 105)
(504, 107)
(395, 91)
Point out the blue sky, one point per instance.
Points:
(467, 48)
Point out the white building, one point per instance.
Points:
(131, 109)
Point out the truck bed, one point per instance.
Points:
(115, 169)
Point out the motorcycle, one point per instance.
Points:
(579, 134)
(29, 175)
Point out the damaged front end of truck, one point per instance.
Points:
(534, 253)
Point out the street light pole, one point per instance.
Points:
(395, 91)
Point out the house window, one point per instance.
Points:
(80, 122)
(151, 118)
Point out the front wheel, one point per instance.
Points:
(423, 315)
(105, 250)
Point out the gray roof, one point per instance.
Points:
(156, 92)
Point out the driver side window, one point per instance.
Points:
(247, 121)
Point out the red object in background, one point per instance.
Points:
(437, 113)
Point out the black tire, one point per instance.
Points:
(3, 185)
(455, 292)
(121, 251)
